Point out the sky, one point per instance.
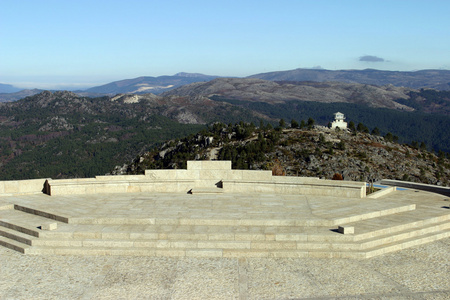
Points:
(77, 44)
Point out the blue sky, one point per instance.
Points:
(51, 44)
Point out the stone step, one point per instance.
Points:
(204, 190)
(396, 223)
(20, 228)
(222, 220)
(229, 242)
(411, 242)
(24, 222)
(246, 232)
(17, 236)
(186, 232)
(400, 236)
(228, 252)
(198, 252)
(14, 245)
(374, 214)
(41, 213)
(25, 218)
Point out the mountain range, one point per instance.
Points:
(146, 84)
(435, 79)
(61, 134)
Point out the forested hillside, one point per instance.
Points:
(432, 129)
(61, 135)
(302, 149)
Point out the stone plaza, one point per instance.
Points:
(210, 232)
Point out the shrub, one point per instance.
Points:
(277, 169)
(337, 176)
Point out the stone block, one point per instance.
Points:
(209, 165)
(256, 175)
(49, 226)
(289, 254)
(6, 206)
(170, 253)
(346, 229)
(273, 245)
(204, 253)
(244, 253)
(11, 187)
(250, 237)
(87, 235)
(223, 245)
(161, 174)
(212, 174)
(221, 236)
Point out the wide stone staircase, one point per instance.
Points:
(36, 231)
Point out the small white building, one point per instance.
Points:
(339, 121)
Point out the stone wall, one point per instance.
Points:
(418, 186)
(21, 187)
(200, 176)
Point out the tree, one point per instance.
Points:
(351, 126)
(282, 123)
(310, 122)
(302, 124)
(294, 124)
(389, 137)
(423, 146)
(376, 131)
(362, 128)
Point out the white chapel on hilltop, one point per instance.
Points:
(339, 121)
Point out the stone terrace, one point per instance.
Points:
(265, 217)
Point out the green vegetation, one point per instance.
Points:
(79, 137)
(432, 129)
(301, 152)
(429, 100)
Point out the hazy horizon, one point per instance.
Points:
(86, 85)
(80, 44)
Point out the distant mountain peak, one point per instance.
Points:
(8, 88)
(185, 74)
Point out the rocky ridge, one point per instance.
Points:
(434, 79)
(252, 89)
(315, 152)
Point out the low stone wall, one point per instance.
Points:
(382, 192)
(199, 175)
(317, 187)
(418, 186)
(21, 187)
(114, 185)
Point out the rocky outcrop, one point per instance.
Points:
(316, 152)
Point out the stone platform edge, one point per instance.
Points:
(198, 175)
(418, 186)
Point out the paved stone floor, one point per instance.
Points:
(416, 273)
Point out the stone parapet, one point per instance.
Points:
(103, 186)
(318, 187)
(418, 186)
(199, 175)
(21, 187)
